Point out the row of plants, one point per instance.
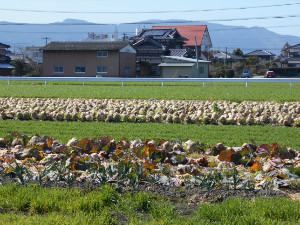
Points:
(35, 205)
(160, 111)
(128, 164)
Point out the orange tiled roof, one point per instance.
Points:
(188, 31)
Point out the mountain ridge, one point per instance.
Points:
(223, 36)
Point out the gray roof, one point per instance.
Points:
(6, 66)
(259, 53)
(177, 64)
(91, 46)
(160, 34)
(185, 59)
(222, 55)
(4, 45)
(178, 52)
(294, 47)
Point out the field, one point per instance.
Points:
(149, 172)
(229, 135)
(255, 92)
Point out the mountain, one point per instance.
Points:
(232, 37)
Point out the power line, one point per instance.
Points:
(162, 22)
(133, 32)
(148, 12)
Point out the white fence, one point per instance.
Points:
(161, 80)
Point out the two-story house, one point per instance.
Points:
(263, 55)
(89, 59)
(197, 35)
(152, 44)
(292, 57)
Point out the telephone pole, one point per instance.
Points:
(46, 38)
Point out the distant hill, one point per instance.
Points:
(232, 37)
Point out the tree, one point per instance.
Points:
(284, 49)
(238, 52)
(219, 70)
(19, 67)
(252, 61)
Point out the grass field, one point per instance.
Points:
(208, 134)
(109, 83)
(190, 92)
(35, 205)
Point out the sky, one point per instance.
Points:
(122, 11)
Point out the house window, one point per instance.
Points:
(58, 69)
(101, 69)
(80, 69)
(201, 69)
(102, 53)
(127, 70)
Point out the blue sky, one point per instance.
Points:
(289, 25)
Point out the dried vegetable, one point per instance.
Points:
(160, 111)
(129, 163)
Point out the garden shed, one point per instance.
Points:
(182, 67)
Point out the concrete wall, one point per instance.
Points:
(181, 71)
(191, 71)
(70, 59)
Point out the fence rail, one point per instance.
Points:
(162, 80)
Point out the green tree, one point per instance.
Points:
(220, 70)
(238, 52)
(19, 67)
(252, 61)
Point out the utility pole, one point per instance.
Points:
(46, 38)
(226, 56)
(196, 48)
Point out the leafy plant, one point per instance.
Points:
(235, 177)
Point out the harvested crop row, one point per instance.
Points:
(102, 160)
(161, 111)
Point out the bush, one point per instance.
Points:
(229, 73)
(33, 74)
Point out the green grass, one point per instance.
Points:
(108, 83)
(209, 134)
(36, 205)
(190, 92)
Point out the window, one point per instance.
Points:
(127, 70)
(80, 69)
(102, 54)
(58, 69)
(101, 69)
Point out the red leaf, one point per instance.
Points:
(255, 167)
(223, 154)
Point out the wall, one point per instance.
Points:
(89, 59)
(190, 71)
(128, 60)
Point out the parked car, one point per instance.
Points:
(270, 74)
(246, 74)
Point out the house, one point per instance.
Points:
(201, 33)
(34, 54)
(89, 59)
(289, 63)
(227, 58)
(263, 55)
(292, 58)
(181, 67)
(152, 44)
(5, 67)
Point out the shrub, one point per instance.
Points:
(33, 74)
